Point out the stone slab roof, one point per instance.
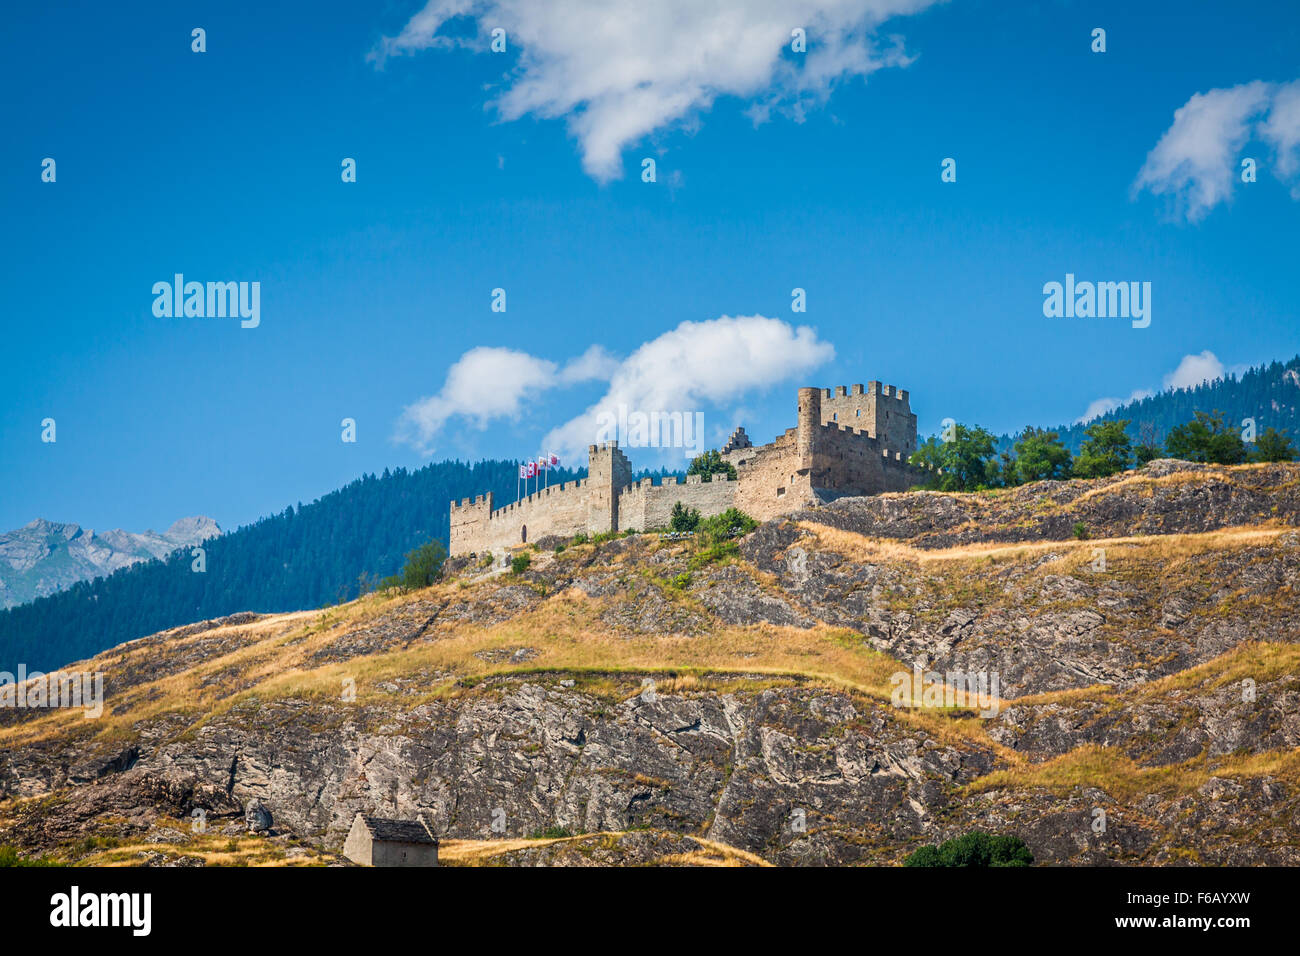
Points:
(389, 830)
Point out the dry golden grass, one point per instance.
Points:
(1108, 770)
(868, 550)
(273, 658)
(565, 630)
(483, 852)
(1148, 483)
(213, 848)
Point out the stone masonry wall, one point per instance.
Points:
(646, 505)
(558, 510)
(849, 440)
(882, 411)
(771, 481)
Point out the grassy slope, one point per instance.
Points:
(280, 656)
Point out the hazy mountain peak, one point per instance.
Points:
(45, 556)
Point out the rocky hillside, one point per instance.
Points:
(642, 700)
(43, 557)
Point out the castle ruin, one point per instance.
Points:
(849, 440)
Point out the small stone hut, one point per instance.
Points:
(383, 841)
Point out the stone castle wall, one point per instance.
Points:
(647, 505)
(772, 482)
(851, 440)
(476, 528)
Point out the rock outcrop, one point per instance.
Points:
(663, 701)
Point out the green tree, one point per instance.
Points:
(1002, 471)
(1273, 445)
(929, 455)
(1207, 438)
(709, 464)
(423, 565)
(1148, 447)
(1040, 456)
(1105, 451)
(967, 459)
(683, 518)
(520, 562)
(974, 849)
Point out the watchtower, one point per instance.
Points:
(608, 473)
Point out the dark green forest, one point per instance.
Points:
(1270, 394)
(304, 557)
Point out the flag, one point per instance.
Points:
(523, 471)
(542, 464)
(555, 459)
(532, 470)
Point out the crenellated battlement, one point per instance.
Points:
(847, 440)
(871, 388)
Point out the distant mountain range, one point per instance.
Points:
(47, 556)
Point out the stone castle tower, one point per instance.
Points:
(850, 440)
(608, 473)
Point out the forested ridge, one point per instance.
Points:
(1270, 394)
(312, 555)
(303, 557)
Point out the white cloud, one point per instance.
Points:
(616, 70)
(1101, 406)
(1195, 369)
(1282, 131)
(484, 383)
(595, 364)
(695, 364)
(1192, 370)
(1197, 161)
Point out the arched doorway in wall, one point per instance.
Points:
(523, 535)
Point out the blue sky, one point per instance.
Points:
(521, 171)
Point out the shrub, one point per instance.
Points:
(732, 523)
(684, 518)
(9, 856)
(551, 833)
(1081, 531)
(974, 849)
(423, 565)
(520, 562)
(714, 554)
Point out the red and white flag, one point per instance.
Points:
(532, 470)
(523, 471)
(555, 459)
